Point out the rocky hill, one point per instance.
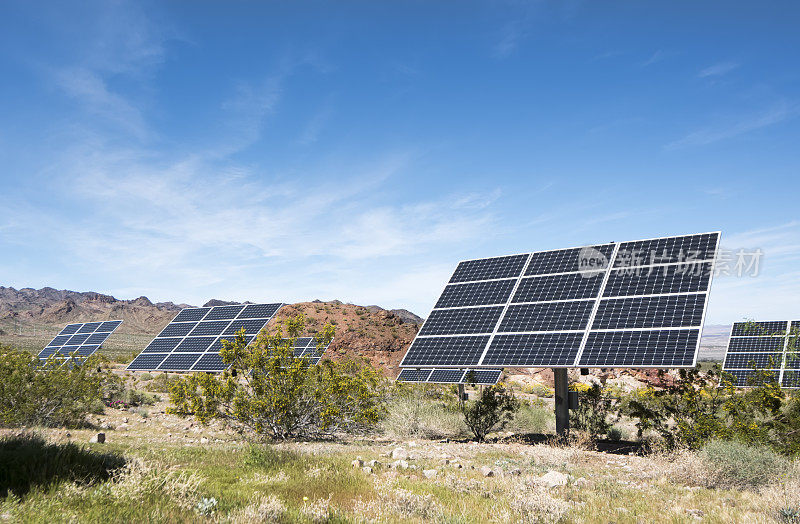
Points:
(29, 316)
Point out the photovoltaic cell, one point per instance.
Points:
(414, 375)
(446, 376)
(650, 312)
(482, 376)
(565, 260)
(658, 280)
(489, 268)
(448, 351)
(632, 304)
(192, 341)
(194, 314)
(476, 293)
(568, 286)
(667, 250)
(451, 376)
(550, 316)
(759, 329)
(744, 344)
(551, 349)
(467, 320)
(791, 379)
(676, 348)
(82, 340)
(753, 360)
(70, 329)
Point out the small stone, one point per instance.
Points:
(399, 464)
(204, 440)
(98, 439)
(627, 468)
(373, 463)
(429, 473)
(581, 482)
(125, 420)
(367, 470)
(515, 472)
(68, 435)
(695, 512)
(357, 463)
(400, 453)
(412, 444)
(445, 461)
(552, 478)
(122, 427)
(457, 465)
(486, 471)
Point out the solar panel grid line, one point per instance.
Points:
(503, 313)
(596, 306)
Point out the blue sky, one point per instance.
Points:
(293, 151)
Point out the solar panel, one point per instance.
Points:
(629, 304)
(191, 342)
(81, 339)
(768, 345)
(451, 376)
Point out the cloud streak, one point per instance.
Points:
(775, 115)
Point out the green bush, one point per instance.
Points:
(28, 461)
(269, 391)
(161, 383)
(593, 410)
(493, 409)
(532, 417)
(737, 465)
(50, 394)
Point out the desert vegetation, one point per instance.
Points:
(276, 439)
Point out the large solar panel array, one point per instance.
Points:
(629, 304)
(80, 340)
(451, 376)
(770, 346)
(191, 342)
(307, 347)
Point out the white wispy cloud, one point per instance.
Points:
(709, 135)
(654, 58)
(770, 292)
(720, 69)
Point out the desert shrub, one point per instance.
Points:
(28, 460)
(737, 465)
(594, 409)
(532, 417)
(50, 394)
(540, 390)
(615, 433)
(422, 411)
(701, 407)
(491, 411)
(268, 391)
(161, 383)
(144, 377)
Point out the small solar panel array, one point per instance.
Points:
(629, 304)
(79, 340)
(451, 376)
(307, 347)
(191, 342)
(769, 346)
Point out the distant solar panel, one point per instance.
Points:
(451, 376)
(191, 342)
(629, 304)
(771, 346)
(308, 347)
(80, 340)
